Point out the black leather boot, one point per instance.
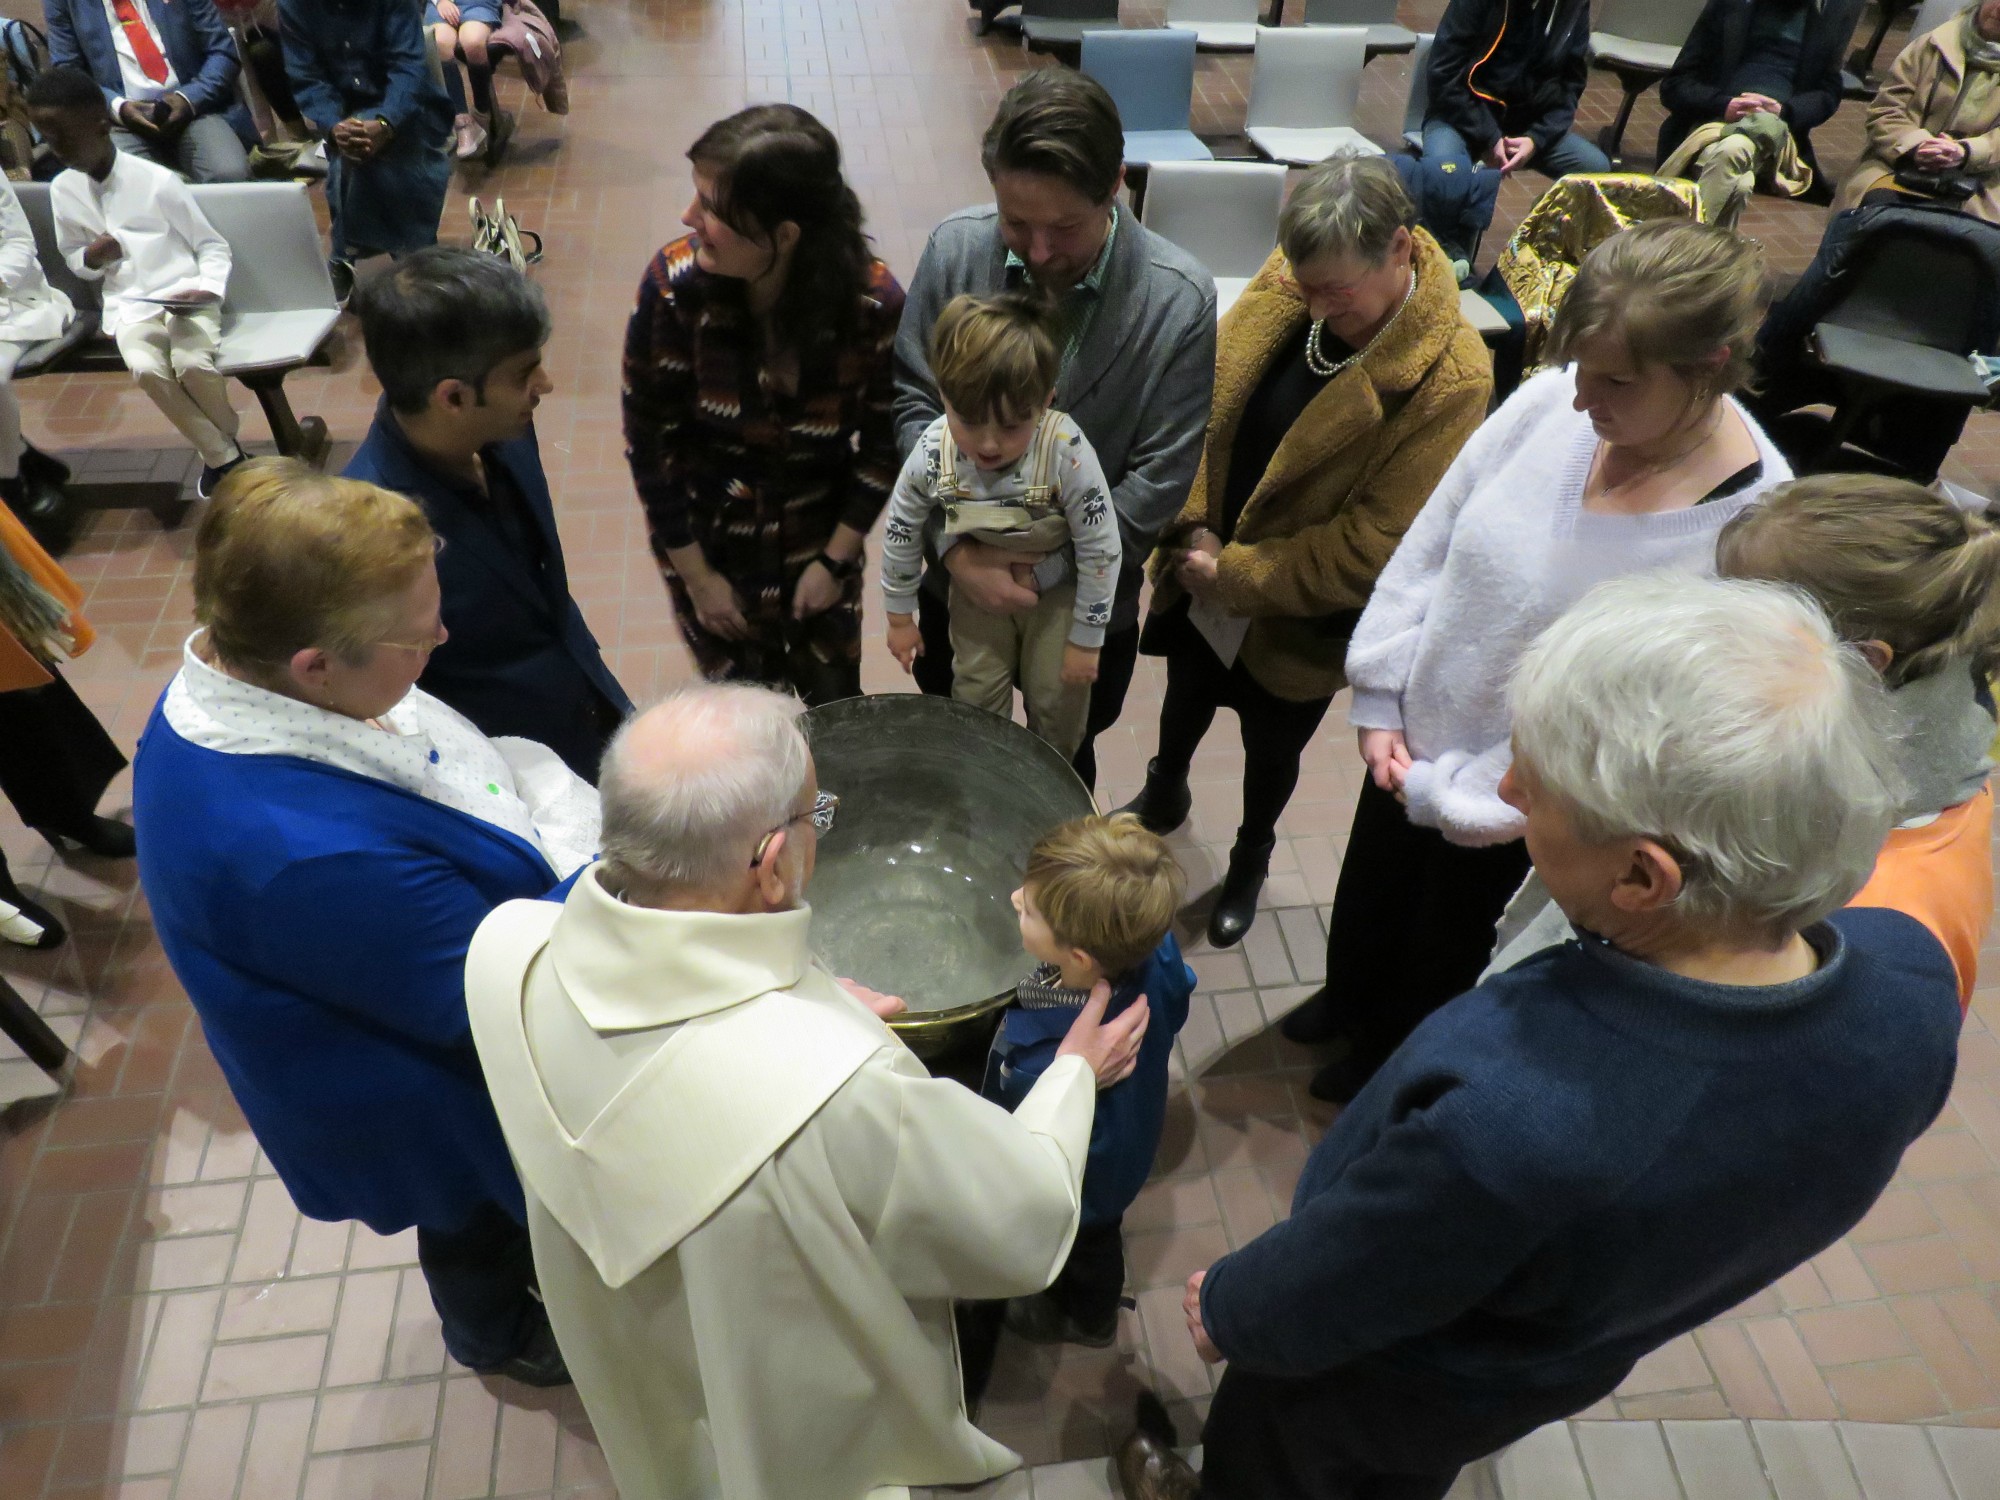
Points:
(1236, 903)
(1162, 805)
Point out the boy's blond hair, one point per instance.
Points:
(993, 358)
(1106, 885)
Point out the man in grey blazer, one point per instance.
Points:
(1135, 318)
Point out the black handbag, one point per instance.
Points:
(1947, 185)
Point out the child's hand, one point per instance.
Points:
(101, 251)
(906, 642)
(1079, 668)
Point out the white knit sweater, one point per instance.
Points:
(1499, 551)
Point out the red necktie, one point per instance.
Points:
(151, 63)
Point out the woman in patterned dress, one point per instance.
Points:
(757, 406)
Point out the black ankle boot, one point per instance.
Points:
(1162, 805)
(1236, 903)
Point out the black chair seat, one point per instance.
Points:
(1910, 367)
(49, 351)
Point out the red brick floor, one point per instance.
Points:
(169, 1326)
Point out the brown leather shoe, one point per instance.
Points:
(1150, 1470)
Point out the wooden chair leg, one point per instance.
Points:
(29, 1032)
(296, 438)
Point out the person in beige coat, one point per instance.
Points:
(751, 1206)
(1939, 112)
(1346, 381)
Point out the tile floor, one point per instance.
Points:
(170, 1327)
(1671, 1460)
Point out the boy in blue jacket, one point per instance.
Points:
(1097, 904)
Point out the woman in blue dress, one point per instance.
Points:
(364, 83)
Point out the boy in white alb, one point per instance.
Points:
(1001, 467)
(134, 225)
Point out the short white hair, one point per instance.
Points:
(690, 785)
(1725, 720)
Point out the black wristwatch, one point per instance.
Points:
(841, 570)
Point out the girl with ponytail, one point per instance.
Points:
(1914, 583)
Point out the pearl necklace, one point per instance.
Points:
(1321, 366)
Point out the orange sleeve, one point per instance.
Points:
(1942, 874)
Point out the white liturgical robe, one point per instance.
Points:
(751, 1206)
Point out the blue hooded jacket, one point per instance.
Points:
(1125, 1134)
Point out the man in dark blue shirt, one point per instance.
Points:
(456, 339)
(1628, 1134)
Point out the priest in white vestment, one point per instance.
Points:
(751, 1206)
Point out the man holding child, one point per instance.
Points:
(1135, 330)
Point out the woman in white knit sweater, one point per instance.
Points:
(1629, 456)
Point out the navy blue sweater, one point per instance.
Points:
(1125, 1132)
(1588, 1155)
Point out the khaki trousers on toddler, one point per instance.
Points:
(172, 356)
(987, 652)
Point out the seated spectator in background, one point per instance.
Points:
(455, 337)
(1346, 382)
(1625, 1136)
(1004, 468)
(1097, 906)
(466, 26)
(1627, 457)
(31, 312)
(1137, 338)
(363, 81)
(167, 69)
(751, 1205)
(133, 225)
(1934, 126)
(319, 838)
(1755, 78)
(1505, 77)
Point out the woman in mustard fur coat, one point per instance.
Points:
(1346, 382)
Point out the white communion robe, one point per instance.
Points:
(751, 1206)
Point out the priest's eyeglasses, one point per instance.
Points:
(825, 805)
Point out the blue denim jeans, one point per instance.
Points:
(1570, 154)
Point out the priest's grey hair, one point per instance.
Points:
(1726, 721)
(692, 784)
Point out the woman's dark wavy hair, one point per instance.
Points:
(773, 164)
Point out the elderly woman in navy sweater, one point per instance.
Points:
(318, 841)
(1626, 1135)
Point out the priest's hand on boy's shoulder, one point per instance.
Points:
(1110, 1047)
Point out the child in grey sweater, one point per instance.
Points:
(1001, 467)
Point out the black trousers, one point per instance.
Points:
(481, 1277)
(1361, 1432)
(1275, 730)
(55, 758)
(1087, 1289)
(1115, 662)
(1412, 924)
